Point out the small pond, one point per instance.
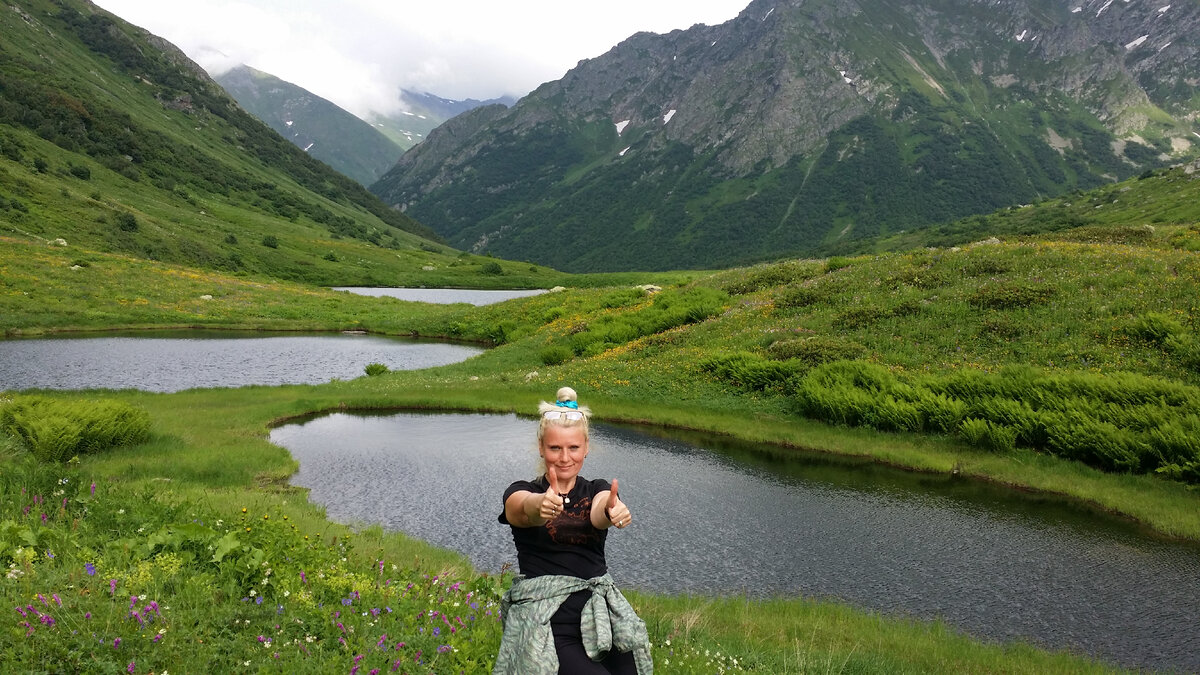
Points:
(717, 517)
(442, 296)
(166, 361)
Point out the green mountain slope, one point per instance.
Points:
(798, 127)
(317, 126)
(111, 139)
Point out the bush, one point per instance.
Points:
(984, 434)
(1155, 328)
(58, 430)
(750, 371)
(374, 369)
(491, 267)
(127, 222)
(81, 172)
(1010, 295)
(555, 355)
(816, 350)
(330, 256)
(803, 296)
(759, 278)
(270, 241)
(231, 238)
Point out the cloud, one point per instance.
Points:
(360, 53)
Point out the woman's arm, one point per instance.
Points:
(532, 509)
(609, 510)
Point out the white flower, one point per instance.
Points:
(286, 593)
(141, 597)
(162, 631)
(120, 511)
(253, 592)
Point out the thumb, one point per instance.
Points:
(552, 476)
(614, 491)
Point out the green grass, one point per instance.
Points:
(159, 507)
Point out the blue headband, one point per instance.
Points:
(574, 405)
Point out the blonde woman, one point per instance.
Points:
(563, 613)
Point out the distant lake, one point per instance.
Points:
(166, 361)
(442, 296)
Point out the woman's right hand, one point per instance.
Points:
(552, 504)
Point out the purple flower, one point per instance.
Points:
(443, 649)
(90, 569)
(87, 615)
(116, 643)
(258, 600)
(55, 596)
(20, 611)
(112, 586)
(131, 667)
(157, 638)
(93, 488)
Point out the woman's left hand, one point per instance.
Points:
(618, 514)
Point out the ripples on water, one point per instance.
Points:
(996, 564)
(167, 361)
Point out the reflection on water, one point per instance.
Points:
(730, 520)
(176, 360)
(442, 296)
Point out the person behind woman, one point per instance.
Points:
(563, 613)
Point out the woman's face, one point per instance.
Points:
(564, 448)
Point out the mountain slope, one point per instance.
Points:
(800, 126)
(422, 113)
(111, 139)
(317, 126)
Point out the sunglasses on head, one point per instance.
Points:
(568, 414)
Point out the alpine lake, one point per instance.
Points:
(711, 515)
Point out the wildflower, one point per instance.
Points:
(90, 569)
(253, 592)
(112, 586)
(131, 667)
(116, 643)
(93, 488)
(120, 511)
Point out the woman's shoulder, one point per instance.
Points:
(535, 485)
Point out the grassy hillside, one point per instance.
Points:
(118, 143)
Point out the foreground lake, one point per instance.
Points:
(167, 361)
(715, 517)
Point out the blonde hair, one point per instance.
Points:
(562, 396)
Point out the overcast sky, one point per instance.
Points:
(358, 53)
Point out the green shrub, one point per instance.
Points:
(1010, 295)
(270, 241)
(836, 263)
(987, 435)
(231, 238)
(374, 369)
(859, 317)
(58, 430)
(758, 278)
(816, 350)
(555, 355)
(126, 221)
(1155, 327)
(81, 172)
(750, 371)
(491, 267)
(330, 256)
(798, 296)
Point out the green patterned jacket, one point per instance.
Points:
(608, 623)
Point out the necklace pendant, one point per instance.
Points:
(566, 499)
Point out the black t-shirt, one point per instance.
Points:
(569, 545)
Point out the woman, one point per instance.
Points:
(563, 613)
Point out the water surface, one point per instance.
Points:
(443, 296)
(715, 517)
(166, 361)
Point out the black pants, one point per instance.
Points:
(573, 659)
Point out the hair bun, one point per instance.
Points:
(566, 394)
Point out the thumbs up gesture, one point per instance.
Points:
(552, 504)
(618, 514)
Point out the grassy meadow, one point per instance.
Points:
(187, 549)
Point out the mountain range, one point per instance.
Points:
(804, 126)
(320, 128)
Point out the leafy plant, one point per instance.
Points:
(374, 369)
(56, 430)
